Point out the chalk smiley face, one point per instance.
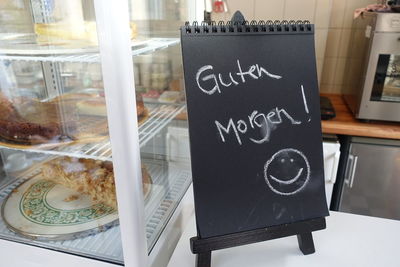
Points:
(287, 171)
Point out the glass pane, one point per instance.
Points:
(163, 135)
(387, 79)
(163, 132)
(57, 186)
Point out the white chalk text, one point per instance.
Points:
(256, 120)
(210, 82)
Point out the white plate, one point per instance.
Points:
(41, 209)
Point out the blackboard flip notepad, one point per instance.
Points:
(254, 125)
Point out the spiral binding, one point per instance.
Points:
(252, 27)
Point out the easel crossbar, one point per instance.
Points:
(198, 245)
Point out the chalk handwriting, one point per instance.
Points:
(287, 186)
(256, 120)
(305, 102)
(210, 83)
(227, 129)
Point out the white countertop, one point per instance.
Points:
(348, 240)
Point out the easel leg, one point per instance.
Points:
(306, 243)
(203, 259)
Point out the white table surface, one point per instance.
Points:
(348, 240)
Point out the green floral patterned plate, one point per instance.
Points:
(44, 210)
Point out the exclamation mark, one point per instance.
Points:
(305, 103)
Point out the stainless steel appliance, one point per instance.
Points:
(372, 178)
(372, 83)
(394, 5)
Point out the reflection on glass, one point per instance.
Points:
(158, 77)
(163, 137)
(158, 18)
(39, 24)
(15, 18)
(387, 79)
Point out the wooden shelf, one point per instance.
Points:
(346, 124)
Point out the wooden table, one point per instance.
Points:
(346, 124)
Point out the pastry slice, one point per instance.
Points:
(87, 176)
(28, 121)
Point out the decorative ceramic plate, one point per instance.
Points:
(44, 210)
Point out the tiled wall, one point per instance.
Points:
(336, 53)
(332, 19)
(316, 11)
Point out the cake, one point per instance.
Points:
(94, 178)
(57, 33)
(151, 96)
(93, 107)
(170, 97)
(29, 121)
(97, 107)
(71, 97)
(88, 128)
(65, 118)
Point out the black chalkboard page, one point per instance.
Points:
(254, 125)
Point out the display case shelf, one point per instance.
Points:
(169, 184)
(90, 55)
(159, 116)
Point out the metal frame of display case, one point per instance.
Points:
(126, 138)
(118, 79)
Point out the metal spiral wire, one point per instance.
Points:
(248, 27)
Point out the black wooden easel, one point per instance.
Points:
(303, 229)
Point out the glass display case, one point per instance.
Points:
(94, 154)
